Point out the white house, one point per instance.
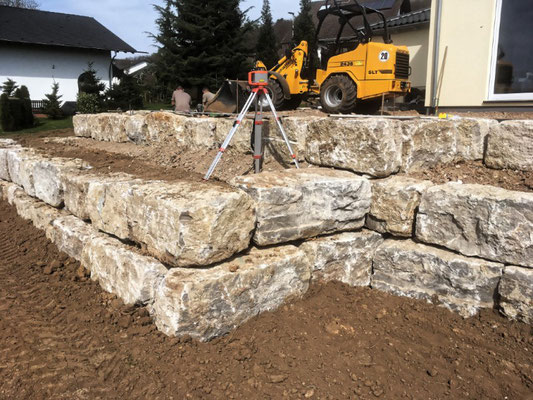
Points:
(38, 48)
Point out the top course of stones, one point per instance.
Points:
(377, 147)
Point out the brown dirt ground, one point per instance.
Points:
(62, 337)
(148, 162)
(477, 172)
(159, 162)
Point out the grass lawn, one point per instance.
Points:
(45, 124)
(157, 106)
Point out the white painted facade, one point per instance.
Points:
(38, 67)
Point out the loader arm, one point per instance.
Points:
(290, 68)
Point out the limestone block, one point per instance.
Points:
(394, 203)
(471, 136)
(462, 284)
(120, 270)
(183, 223)
(136, 128)
(345, 257)
(516, 293)
(76, 188)
(5, 144)
(427, 143)
(32, 209)
(370, 146)
(166, 127)
(70, 234)
(297, 204)
(510, 145)
(20, 163)
(241, 139)
(478, 220)
(206, 303)
(81, 125)
(297, 130)
(48, 178)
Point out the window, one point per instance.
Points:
(512, 51)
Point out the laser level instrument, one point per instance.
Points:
(258, 81)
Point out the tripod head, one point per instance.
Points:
(258, 78)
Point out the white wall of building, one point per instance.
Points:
(38, 67)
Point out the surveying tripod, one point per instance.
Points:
(258, 81)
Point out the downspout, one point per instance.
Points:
(436, 43)
(111, 70)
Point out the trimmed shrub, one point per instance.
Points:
(23, 94)
(13, 113)
(88, 103)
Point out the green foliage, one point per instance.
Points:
(126, 95)
(89, 83)
(15, 113)
(304, 27)
(51, 105)
(9, 86)
(200, 42)
(88, 103)
(23, 94)
(267, 47)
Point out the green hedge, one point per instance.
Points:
(15, 113)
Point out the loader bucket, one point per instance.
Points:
(230, 98)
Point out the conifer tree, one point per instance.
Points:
(304, 27)
(200, 42)
(51, 106)
(9, 87)
(267, 48)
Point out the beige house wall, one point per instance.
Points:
(467, 30)
(417, 41)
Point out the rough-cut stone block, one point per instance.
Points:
(471, 136)
(462, 284)
(5, 144)
(183, 223)
(81, 126)
(120, 270)
(136, 128)
(345, 257)
(427, 143)
(76, 188)
(370, 146)
(70, 234)
(297, 130)
(32, 209)
(207, 303)
(20, 164)
(296, 204)
(510, 145)
(516, 293)
(478, 220)
(394, 203)
(48, 177)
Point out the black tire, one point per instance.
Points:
(338, 95)
(293, 103)
(275, 91)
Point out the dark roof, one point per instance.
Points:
(413, 18)
(21, 25)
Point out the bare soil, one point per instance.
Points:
(62, 337)
(477, 172)
(148, 162)
(160, 162)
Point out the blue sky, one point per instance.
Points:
(131, 19)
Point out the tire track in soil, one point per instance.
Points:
(62, 337)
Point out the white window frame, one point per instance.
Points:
(496, 37)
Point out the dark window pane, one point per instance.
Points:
(514, 68)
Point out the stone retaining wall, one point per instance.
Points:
(85, 215)
(377, 146)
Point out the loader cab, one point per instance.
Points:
(346, 11)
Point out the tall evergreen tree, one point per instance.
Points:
(304, 27)
(267, 47)
(201, 42)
